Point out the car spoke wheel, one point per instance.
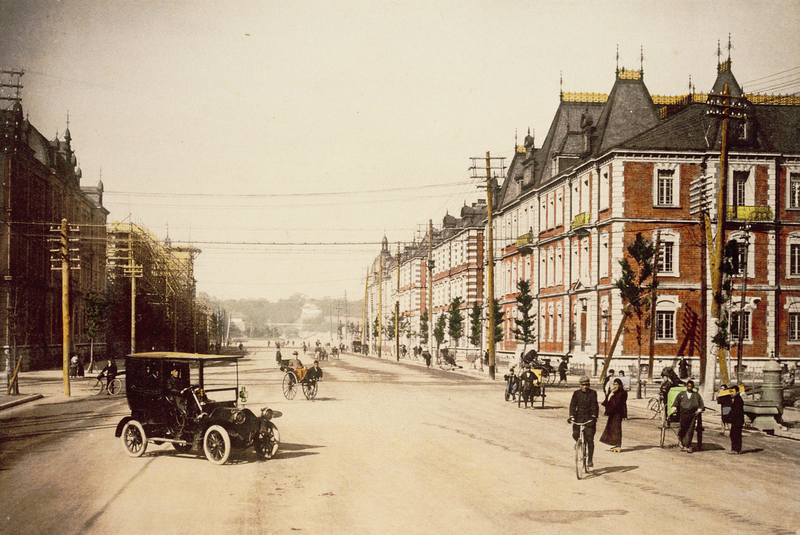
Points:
(289, 386)
(134, 439)
(267, 442)
(217, 444)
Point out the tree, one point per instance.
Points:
(390, 326)
(96, 307)
(438, 332)
(498, 321)
(475, 325)
(524, 326)
(636, 288)
(455, 323)
(730, 267)
(423, 327)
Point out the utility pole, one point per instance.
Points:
(63, 258)
(132, 270)
(490, 186)
(364, 325)
(740, 347)
(699, 194)
(728, 107)
(380, 306)
(653, 317)
(397, 310)
(430, 286)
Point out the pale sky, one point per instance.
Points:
(251, 128)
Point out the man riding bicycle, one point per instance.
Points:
(110, 373)
(584, 408)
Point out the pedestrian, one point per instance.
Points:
(617, 410)
(688, 404)
(80, 366)
(736, 421)
(607, 382)
(583, 407)
(562, 372)
(73, 366)
(427, 356)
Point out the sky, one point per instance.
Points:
(286, 139)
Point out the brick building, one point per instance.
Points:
(40, 187)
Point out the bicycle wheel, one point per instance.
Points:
(654, 406)
(289, 385)
(310, 390)
(580, 458)
(115, 387)
(96, 387)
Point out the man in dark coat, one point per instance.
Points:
(687, 403)
(584, 408)
(736, 421)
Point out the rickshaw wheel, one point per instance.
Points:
(310, 390)
(289, 385)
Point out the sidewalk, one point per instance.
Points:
(35, 385)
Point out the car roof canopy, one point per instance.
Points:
(194, 357)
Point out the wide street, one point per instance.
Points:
(387, 448)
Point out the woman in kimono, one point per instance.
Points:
(616, 409)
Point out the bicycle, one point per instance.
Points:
(98, 386)
(656, 406)
(581, 452)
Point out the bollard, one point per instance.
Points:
(772, 387)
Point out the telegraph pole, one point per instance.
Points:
(364, 325)
(397, 310)
(728, 107)
(489, 252)
(63, 257)
(430, 286)
(380, 306)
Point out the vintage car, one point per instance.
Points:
(169, 402)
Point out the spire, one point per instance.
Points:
(561, 85)
(641, 61)
(617, 60)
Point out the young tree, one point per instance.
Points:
(636, 288)
(96, 307)
(524, 326)
(439, 331)
(423, 327)
(390, 326)
(498, 321)
(455, 323)
(475, 325)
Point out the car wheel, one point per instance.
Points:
(182, 448)
(217, 444)
(134, 439)
(267, 443)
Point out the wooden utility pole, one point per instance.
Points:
(65, 318)
(490, 265)
(364, 325)
(430, 287)
(397, 310)
(653, 317)
(728, 107)
(380, 305)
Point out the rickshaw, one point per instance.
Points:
(294, 374)
(670, 420)
(169, 403)
(528, 392)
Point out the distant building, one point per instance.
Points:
(41, 187)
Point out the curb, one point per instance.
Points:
(20, 401)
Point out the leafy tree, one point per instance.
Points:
(730, 267)
(475, 325)
(498, 321)
(455, 323)
(524, 326)
(96, 307)
(375, 329)
(390, 326)
(438, 331)
(423, 327)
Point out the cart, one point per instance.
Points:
(669, 420)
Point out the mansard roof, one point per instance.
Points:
(628, 111)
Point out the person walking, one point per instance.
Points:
(688, 403)
(607, 382)
(736, 421)
(583, 407)
(617, 410)
(562, 372)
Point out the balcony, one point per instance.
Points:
(750, 213)
(524, 242)
(581, 220)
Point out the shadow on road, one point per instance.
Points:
(293, 451)
(597, 472)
